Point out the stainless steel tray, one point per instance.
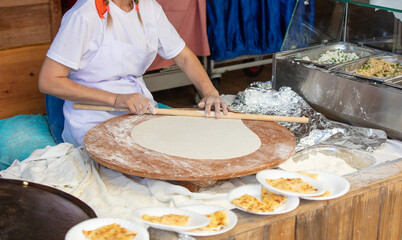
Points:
(351, 68)
(315, 53)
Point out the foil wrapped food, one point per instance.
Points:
(260, 98)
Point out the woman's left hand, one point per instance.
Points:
(214, 102)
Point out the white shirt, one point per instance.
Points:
(81, 33)
(111, 58)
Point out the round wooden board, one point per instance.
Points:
(110, 144)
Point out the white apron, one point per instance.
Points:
(111, 70)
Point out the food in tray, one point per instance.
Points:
(169, 219)
(296, 185)
(272, 199)
(110, 232)
(217, 221)
(332, 57)
(377, 67)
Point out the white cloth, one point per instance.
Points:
(109, 193)
(113, 194)
(111, 58)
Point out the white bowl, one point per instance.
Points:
(75, 233)
(274, 174)
(196, 220)
(255, 191)
(208, 209)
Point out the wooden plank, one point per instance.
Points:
(312, 224)
(391, 212)
(19, 93)
(258, 233)
(24, 25)
(55, 17)
(284, 230)
(366, 215)
(14, 3)
(340, 219)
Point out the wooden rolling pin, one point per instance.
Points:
(198, 113)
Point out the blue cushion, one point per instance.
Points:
(21, 135)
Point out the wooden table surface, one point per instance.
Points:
(372, 209)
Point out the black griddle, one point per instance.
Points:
(32, 211)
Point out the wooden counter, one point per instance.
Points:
(372, 209)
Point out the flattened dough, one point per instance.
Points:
(196, 138)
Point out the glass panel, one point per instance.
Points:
(390, 5)
(374, 27)
(364, 22)
(314, 22)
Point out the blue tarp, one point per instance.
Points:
(247, 27)
(21, 135)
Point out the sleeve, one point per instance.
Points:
(169, 41)
(71, 40)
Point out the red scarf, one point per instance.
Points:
(101, 7)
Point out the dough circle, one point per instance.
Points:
(196, 138)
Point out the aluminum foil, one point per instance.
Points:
(260, 98)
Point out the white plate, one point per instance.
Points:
(255, 191)
(196, 220)
(274, 174)
(338, 186)
(75, 233)
(208, 209)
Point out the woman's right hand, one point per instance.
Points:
(135, 102)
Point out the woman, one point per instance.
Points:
(100, 53)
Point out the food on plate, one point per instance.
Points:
(312, 175)
(110, 232)
(296, 185)
(325, 194)
(271, 199)
(332, 57)
(217, 221)
(315, 176)
(170, 219)
(251, 204)
(380, 68)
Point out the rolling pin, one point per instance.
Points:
(198, 113)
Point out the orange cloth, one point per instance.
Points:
(190, 20)
(101, 7)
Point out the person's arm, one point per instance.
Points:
(192, 67)
(53, 80)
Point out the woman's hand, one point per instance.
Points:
(214, 102)
(136, 103)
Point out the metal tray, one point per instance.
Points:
(351, 67)
(316, 52)
(33, 211)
